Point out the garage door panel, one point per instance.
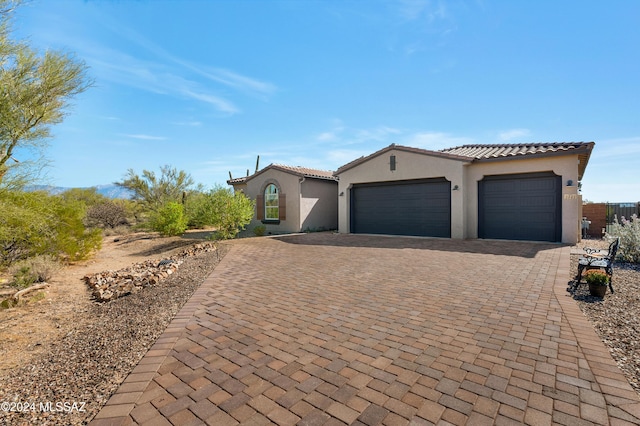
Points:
(520, 207)
(402, 208)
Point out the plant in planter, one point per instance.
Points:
(597, 280)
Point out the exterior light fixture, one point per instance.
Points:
(455, 188)
(569, 182)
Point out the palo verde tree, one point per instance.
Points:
(35, 90)
(153, 191)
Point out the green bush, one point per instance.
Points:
(220, 208)
(260, 230)
(197, 209)
(169, 220)
(23, 277)
(36, 223)
(230, 212)
(629, 233)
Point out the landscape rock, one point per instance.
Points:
(110, 285)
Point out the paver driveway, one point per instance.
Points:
(325, 329)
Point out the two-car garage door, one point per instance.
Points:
(411, 207)
(514, 207)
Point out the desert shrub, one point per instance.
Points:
(118, 230)
(154, 191)
(220, 208)
(24, 226)
(629, 233)
(88, 196)
(169, 220)
(197, 209)
(72, 240)
(36, 223)
(43, 267)
(229, 212)
(107, 214)
(260, 230)
(23, 277)
(33, 270)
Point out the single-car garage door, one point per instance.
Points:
(411, 207)
(520, 207)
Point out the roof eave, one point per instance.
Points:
(288, 171)
(583, 152)
(392, 147)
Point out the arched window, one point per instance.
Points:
(271, 205)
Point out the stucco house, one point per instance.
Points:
(291, 199)
(517, 192)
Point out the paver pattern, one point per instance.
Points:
(327, 329)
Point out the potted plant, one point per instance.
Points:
(597, 280)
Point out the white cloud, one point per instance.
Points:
(228, 78)
(236, 80)
(620, 148)
(611, 174)
(350, 136)
(327, 137)
(508, 135)
(165, 74)
(422, 9)
(380, 133)
(220, 103)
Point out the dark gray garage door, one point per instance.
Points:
(412, 207)
(520, 207)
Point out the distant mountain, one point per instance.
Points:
(109, 191)
(114, 191)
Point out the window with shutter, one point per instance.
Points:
(260, 207)
(282, 202)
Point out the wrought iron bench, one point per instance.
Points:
(598, 259)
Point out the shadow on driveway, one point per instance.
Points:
(526, 249)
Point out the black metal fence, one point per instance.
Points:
(618, 210)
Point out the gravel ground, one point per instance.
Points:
(106, 343)
(616, 317)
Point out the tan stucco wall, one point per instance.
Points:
(312, 204)
(289, 185)
(408, 166)
(464, 201)
(565, 166)
(318, 205)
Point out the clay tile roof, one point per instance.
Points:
(512, 150)
(237, 180)
(306, 172)
(295, 170)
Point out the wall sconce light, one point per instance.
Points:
(455, 188)
(569, 182)
(342, 194)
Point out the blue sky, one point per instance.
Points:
(206, 86)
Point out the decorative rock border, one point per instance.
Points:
(110, 285)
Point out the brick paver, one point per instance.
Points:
(325, 329)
